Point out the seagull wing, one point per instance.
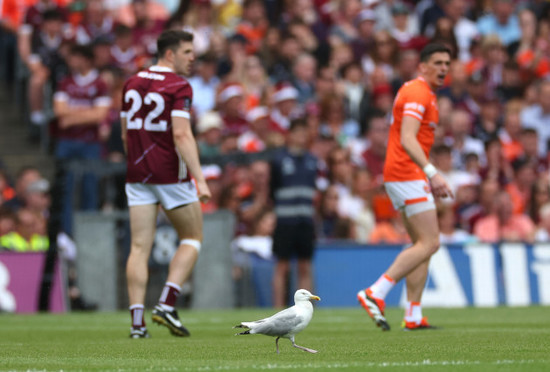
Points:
(280, 324)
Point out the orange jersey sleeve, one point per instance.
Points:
(417, 100)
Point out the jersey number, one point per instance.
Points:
(151, 99)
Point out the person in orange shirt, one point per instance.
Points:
(411, 182)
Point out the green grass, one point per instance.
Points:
(501, 339)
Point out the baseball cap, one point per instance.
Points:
(257, 113)
(209, 120)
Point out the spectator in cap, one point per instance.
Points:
(405, 24)
(363, 43)
(205, 84)
(285, 107)
(231, 104)
(256, 137)
(209, 133)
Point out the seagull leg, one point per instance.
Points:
(277, 344)
(302, 347)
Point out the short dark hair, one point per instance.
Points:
(171, 39)
(52, 15)
(85, 51)
(433, 48)
(297, 123)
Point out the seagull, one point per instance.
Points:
(286, 323)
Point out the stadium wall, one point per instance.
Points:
(481, 275)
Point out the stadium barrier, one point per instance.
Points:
(21, 279)
(481, 275)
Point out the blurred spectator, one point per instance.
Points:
(467, 218)
(375, 154)
(497, 167)
(488, 122)
(405, 26)
(343, 31)
(256, 85)
(6, 191)
(542, 233)
(465, 30)
(209, 133)
(538, 116)
(390, 231)
(130, 14)
(303, 72)
(147, 26)
(252, 257)
(457, 90)
(199, 19)
(285, 107)
(363, 43)
(461, 141)
(357, 206)
(253, 24)
(448, 233)
(328, 219)
(334, 121)
(124, 55)
(205, 84)
(43, 57)
(81, 104)
(502, 224)
(520, 187)
(530, 145)
(539, 196)
(406, 68)
(257, 137)
(385, 55)
(500, 21)
(525, 46)
(355, 94)
(455, 177)
(511, 86)
(97, 23)
(340, 170)
(7, 222)
(255, 193)
(231, 106)
(26, 236)
(510, 133)
(25, 176)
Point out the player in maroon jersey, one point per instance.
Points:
(162, 159)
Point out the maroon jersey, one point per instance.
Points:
(82, 92)
(33, 17)
(150, 99)
(126, 60)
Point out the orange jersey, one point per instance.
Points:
(416, 99)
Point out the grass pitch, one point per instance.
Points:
(501, 339)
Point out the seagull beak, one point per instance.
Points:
(315, 298)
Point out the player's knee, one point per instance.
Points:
(195, 243)
(432, 244)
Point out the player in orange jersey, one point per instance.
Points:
(411, 182)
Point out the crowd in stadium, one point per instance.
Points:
(337, 63)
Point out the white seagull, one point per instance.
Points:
(286, 323)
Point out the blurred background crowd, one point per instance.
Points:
(262, 63)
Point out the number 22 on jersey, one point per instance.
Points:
(154, 103)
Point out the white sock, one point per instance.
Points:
(413, 312)
(382, 287)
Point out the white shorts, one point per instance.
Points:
(412, 197)
(170, 196)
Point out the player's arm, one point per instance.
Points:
(409, 129)
(187, 147)
(85, 116)
(123, 132)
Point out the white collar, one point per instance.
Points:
(85, 79)
(157, 68)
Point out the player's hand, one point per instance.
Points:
(204, 192)
(440, 187)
